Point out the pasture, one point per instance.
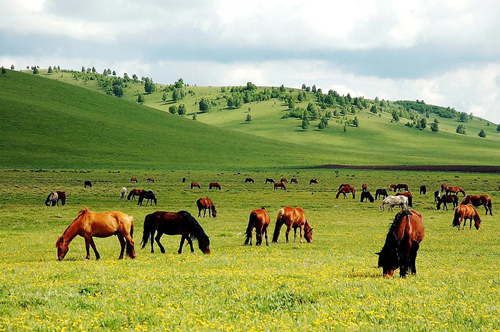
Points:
(330, 284)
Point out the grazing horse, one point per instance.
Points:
(269, 181)
(149, 196)
(284, 180)
(344, 189)
(87, 184)
(123, 192)
(400, 186)
(478, 200)
(214, 185)
(455, 190)
(195, 185)
(464, 212)
(61, 197)
(423, 190)
(296, 218)
(259, 219)
(392, 187)
(134, 179)
(89, 224)
(313, 181)
(172, 223)
(249, 180)
(151, 180)
(52, 199)
(437, 196)
(204, 204)
(365, 195)
(409, 195)
(443, 187)
(183, 180)
(447, 199)
(294, 180)
(392, 201)
(364, 187)
(279, 185)
(381, 192)
(133, 193)
(402, 243)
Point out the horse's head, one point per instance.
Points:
(204, 244)
(477, 220)
(62, 248)
(214, 211)
(388, 260)
(308, 233)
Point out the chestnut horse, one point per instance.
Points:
(214, 185)
(89, 224)
(447, 199)
(296, 218)
(249, 180)
(400, 186)
(134, 179)
(204, 204)
(133, 193)
(345, 189)
(195, 185)
(392, 187)
(402, 243)
(464, 212)
(151, 180)
(443, 187)
(313, 181)
(294, 180)
(455, 190)
(259, 219)
(279, 185)
(381, 192)
(409, 195)
(269, 180)
(284, 180)
(423, 190)
(172, 223)
(478, 200)
(364, 187)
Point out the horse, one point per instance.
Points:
(284, 180)
(392, 201)
(447, 199)
(364, 187)
(149, 196)
(344, 189)
(123, 192)
(134, 179)
(365, 195)
(464, 212)
(87, 184)
(259, 219)
(400, 186)
(279, 185)
(269, 180)
(409, 195)
(151, 180)
(455, 190)
(392, 187)
(402, 243)
(183, 180)
(381, 192)
(423, 190)
(294, 180)
(313, 181)
(437, 196)
(90, 224)
(133, 193)
(443, 187)
(174, 223)
(195, 185)
(249, 180)
(296, 218)
(61, 197)
(52, 199)
(214, 185)
(478, 200)
(204, 204)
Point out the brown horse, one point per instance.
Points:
(259, 219)
(195, 185)
(204, 204)
(447, 199)
(400, 186)
(423, 190)
(152, 180)
(478, 200)
(134, 179)
(284, 180)
(296, 218)
(249, 180)
(392, 187)
(455, 190)
(89, 224)
(172, 223)
(464, 212)
(313, 181)
(402, 243)
(443, 187)
(279, 185)
(294, 180)
(381, 192)
(409, 195)
(345, 189)
(214, 185)
(364, 187)
(269, 180)
(133, 193)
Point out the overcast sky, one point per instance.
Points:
(443, 52)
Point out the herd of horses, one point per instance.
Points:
(399, 251)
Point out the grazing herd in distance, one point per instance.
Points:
(399, 251)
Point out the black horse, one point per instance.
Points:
(447, 199)
(87, 184)
(149, 196)
(365, 195)
(381, 192)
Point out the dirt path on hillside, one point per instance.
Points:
(433, 168)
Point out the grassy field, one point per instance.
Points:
(330, 284)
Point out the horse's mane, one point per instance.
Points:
(195, 230)
(81, 214)
(392, 239)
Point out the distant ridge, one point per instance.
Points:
(433, 168)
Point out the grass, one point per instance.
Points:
(331, 284)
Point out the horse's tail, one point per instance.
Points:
(148, 229)
(251, 224)
(130, 245)
(279, 222)
(456, 219)
(489, 204)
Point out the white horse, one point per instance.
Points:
(123, 192)
(392, 201)
(52, 199)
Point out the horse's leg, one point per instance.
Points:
(152, 239)
(157, 238)
(413, 257)
(265, 233)
(199, 212)
(294, 234)
(288, 228)
(122, 244)
(97, 256)
(181, 244)
(301, 229)
(87, 245)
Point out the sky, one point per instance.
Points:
(444, 52)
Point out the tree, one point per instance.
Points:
(422, 124)
(249, 118)
(114, 73)
(435, 126)
(461, 129)
(323, 123)
(463, 117)
(49, 70)
(355, 122)
(373, 109)
(482, 134)
(345, 129)
(140, 98)
(179, 83)
(395, 116)
(194, 116)
(83, 69)
(12, 67)
(303, 86)
(35, 70)
(149, 86)
(251, 86)
(305, 121)
(291, 103)
(204, 105)
(164, 97)
(117, 90)
(498, 127)
(182, 109)
(314, 88)
(173, 109)
(135, 78)
(94, 70)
